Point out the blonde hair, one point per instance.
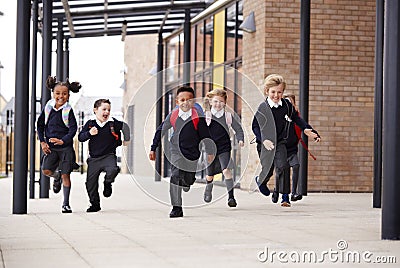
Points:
(273, 80)
(215, 92)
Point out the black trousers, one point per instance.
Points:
(280, 163)
(183, 173)
(107, 164)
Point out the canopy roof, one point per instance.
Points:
(89, 18)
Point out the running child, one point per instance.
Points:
(190, 129)
(219, 122)
(56, 128)
(104, 135)
(284, 114)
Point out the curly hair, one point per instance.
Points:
(52, 82)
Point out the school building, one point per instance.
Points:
(341, 80)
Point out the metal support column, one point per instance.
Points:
(32, 153)
(82, 122)
(391, 117)
(60, 50)
(186, 48)
(160, 51)
(379, 30)
(66, 59)
(304, 83)
(20, 185)
(46, 71)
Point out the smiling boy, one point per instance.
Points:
(283, 114)
(189, 130)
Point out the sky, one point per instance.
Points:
(97, 62)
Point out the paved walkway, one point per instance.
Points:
(133, 230)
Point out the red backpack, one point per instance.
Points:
(298, 134)
(175, 115)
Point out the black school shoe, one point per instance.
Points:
(93, 208)
(57, 182)
(275, 196)
(176, 212)
(232, 202)
(296, 197)
(66, 209)
(107, 191)
(75, 166)
(208, 192)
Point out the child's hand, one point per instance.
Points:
(309, 132)
(241, 143)
(56, 141)
(93, 131)
(152, 155)
(45, 147)
(269, 145)
(210, 158)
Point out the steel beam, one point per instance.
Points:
(46, 71)
(159, 98)
(20, 172)
(32, 153)
(378, 126)
(391, 119)
(304, 91)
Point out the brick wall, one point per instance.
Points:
(341, 81)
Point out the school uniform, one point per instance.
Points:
(189, 130)
(219, 131)
(102, 152)
(58, 123)
(283, 114)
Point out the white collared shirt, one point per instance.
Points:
(217, 114)
(185, 115)
(59, 108)
(274, 104)
(104, 123)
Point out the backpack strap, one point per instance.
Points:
(195, 118)
(173, 117)
(175, 114)
(208, 117)
(228, 118)
(64, 113)
(111, 123)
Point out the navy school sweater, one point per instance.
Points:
(220, 133)
(185, 138)
(55, 128)
(281, 114)
(104, 142)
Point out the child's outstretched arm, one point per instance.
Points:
(161, 130)
(237, 127)
(84, 134)
(126, 131)
(307, 129)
